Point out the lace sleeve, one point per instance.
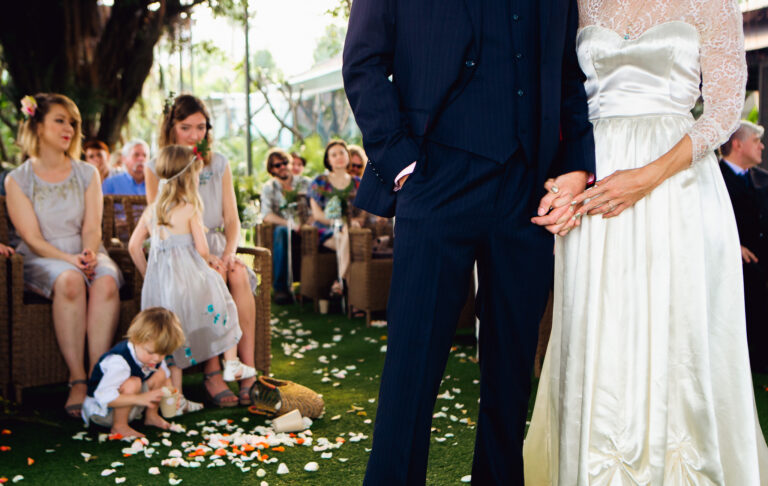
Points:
(724, 73)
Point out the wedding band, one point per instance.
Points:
(611, 207)
(555, 189)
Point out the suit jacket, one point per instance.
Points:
(430, 48)
(750, 205)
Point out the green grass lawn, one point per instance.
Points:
(40, 430)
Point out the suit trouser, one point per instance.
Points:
(457, 208)
(756, 306)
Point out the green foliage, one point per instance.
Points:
(341, 10)
(754, 115)
(331, 44)
(312, 150)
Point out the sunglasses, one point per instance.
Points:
(356, 166)
(279, 165)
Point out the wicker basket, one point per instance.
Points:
(275, 397)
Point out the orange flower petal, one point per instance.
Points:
(299, 441)
(220, 452)
(5, 448)
(248, 447)
(279, 449)
(340, 440)
(30, 461)
(6, 432)
(3, 480)
(115, 436)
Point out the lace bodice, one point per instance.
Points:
(721, 53)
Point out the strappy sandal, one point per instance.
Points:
(218, 399)
(75, 410)
(187, 406)
(244, 395)
(237, 370)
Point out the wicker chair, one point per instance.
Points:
(318, 270)
(260, 260)
(263, 235)
(34, 351)
(368, 282)
(5, 331)
(117, 231)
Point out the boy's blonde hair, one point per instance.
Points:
(180, 168)
(159, 326)
(27, 138)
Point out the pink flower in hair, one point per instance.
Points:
(28, 106)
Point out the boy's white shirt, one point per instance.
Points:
(116, 371)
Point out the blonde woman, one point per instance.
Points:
(55, 203)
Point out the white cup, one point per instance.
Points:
(322, 304)
(168, 403)
(290, 422)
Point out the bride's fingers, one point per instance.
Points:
(563, 200)
(590, 206)
(616, 211)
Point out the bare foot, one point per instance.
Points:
(77, 393)
(215, 384)
(157, 421)
(126, 431)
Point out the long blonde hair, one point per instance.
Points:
(177, 167)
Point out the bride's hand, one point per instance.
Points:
(621, 190)
(556, 210)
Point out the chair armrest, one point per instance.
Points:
(361, 244)
(310, 240)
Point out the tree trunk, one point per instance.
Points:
(98, 56)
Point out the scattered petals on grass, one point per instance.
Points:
(107, 472)
(3, 480)
(467, 479)
(30, 461)
(17, 478)
(311, 467)
(282, 469)
(154, 471)
(5, 448)
(6, 432)
(119, 480)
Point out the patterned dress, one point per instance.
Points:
(60, 211)
(322, 191)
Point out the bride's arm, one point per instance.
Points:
(724, 74)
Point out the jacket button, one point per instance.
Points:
(470, 63)
(520, 92)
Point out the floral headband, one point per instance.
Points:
(174, 176)
(28, 106)
(200, 151)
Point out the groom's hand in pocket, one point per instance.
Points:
(555, 212)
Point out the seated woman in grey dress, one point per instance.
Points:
(55, 202)
(187, 122)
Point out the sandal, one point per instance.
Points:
(244, 395)
(218, 399)
(75, 410)
(187, 406)
(236, 370)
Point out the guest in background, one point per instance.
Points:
(274, 209)
(748, 188)
(336, 182)
(357, 160)
(134, 154)
(298, 164)
(97, 154)
(55, 203)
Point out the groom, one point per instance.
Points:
(461, 139)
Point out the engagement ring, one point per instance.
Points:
(555, 189)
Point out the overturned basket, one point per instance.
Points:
(274, 397)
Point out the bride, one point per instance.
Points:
(646, 379)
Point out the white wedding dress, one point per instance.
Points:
(646, 380)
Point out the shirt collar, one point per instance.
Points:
(735, 168)
(144, 368)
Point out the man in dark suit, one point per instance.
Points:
(461, 139)
(748, 187)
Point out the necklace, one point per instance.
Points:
(630, 18)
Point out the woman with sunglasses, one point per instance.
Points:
(357, 161)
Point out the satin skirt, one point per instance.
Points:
(646, 380)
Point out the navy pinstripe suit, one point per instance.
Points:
(479, 95)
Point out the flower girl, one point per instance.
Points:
(178, 276)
